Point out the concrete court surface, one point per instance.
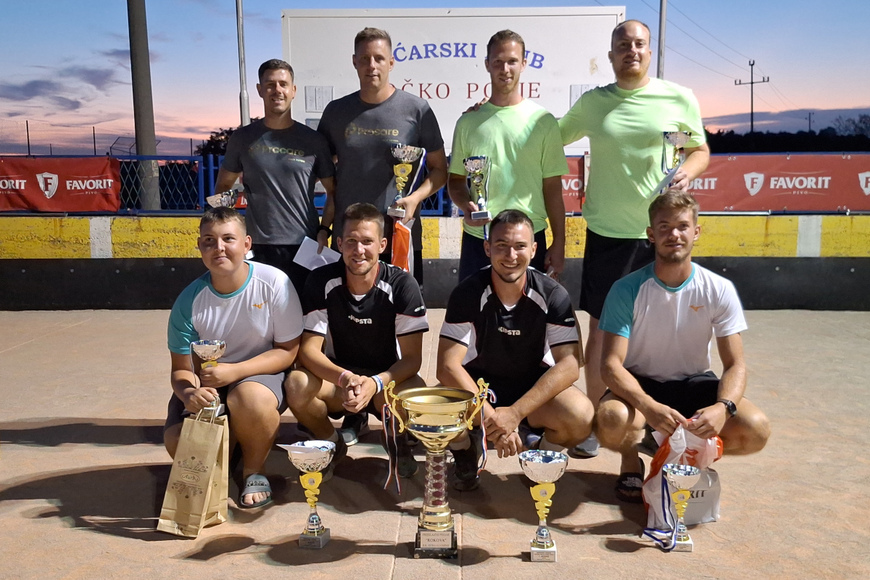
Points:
(82, 474)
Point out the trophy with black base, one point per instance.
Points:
(406, 171)
(436, 416)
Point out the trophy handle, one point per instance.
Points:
(392, 400)
(480, 399)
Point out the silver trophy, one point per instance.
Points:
(226, 198)
(311, 458)
(405, 172)
(478, 172)
(209, 351)
(672, 160)
(682, 478)
(544, 468)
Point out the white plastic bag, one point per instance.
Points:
(683, 448)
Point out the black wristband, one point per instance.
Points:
(323, 228)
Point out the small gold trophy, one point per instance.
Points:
(544, 468)
(682, 478)
(436, 416)
(209, 351)
(478, 171)
(407, 156)
(311, 458)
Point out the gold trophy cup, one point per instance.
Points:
(311, 458)
(209, 351)
(544, 468)
(682, 478)
(407, 156)
(436, 416)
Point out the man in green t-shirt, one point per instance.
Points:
(624, 122)
(521, 140)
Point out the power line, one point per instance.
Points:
(752, 82)
(709, 33)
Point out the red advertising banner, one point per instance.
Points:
(573, 188)
(782, 182)
(84, 184)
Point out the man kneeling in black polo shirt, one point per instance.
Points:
(364, 325)
(514, 327)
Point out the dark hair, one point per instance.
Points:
(673, 200)
(369, 34)
(221, 215)
(275, 64)
(513, 217)
(505, 36)
(622, 25)
(363, 212)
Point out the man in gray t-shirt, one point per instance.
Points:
(281, 161)
(361, 128)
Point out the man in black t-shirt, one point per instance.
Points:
(364, 325)
(515, 328)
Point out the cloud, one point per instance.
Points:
(27, 91)
(67, 104)
(99, 78)
(120, 56)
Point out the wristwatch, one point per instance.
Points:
(729, 406)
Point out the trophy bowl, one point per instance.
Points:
(543, 466)
(208, 350)
(311, 458)
(406, 156)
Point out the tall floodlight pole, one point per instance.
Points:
(752, 82)
(660, 65)
(243, 93)
(143, 108)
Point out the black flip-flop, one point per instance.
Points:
(629, 485)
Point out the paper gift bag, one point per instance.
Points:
(196, 495)
(403, 253)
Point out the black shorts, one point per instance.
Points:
(606, 260)
(473, 256)
(281, 257)
(175, 411)
(685, 395)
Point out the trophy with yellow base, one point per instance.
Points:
(311, 458)
(544, 468)
(436, 416)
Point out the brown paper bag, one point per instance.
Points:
(196, 495)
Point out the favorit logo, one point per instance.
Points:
(754, 182)
(47, 183)
(864, 182)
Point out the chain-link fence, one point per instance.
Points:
(180, 182)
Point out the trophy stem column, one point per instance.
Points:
(435, 514)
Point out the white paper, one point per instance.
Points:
(308, 257)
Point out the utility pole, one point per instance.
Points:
(243, 90)
(660, 63)
(810, 120)
(752, 82)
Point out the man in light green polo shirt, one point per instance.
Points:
(523, 144)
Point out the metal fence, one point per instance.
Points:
(185, 182)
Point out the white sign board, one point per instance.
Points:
(440, 55)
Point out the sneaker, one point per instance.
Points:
(466, 463)
(353, 426)
(530, 439)
(586, 449)
(340, 453)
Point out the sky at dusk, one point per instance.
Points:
(66, 66)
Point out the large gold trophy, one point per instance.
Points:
(436, 416)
